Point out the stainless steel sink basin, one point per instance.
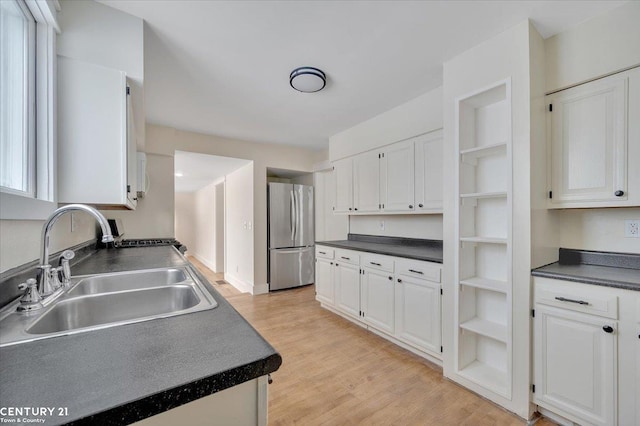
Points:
(109, 300)
(114, 307)
(130, 281)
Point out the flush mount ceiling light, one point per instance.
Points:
(307, 79)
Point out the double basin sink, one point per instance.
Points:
(94, 302)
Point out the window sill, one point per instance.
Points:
(16, 207)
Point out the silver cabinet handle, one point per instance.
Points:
(416, 272)
(374, 263)
(579, 302)
(345, 258)
(322, 252)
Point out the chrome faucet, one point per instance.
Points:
(48, 278)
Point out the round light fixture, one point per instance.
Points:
(307, 79)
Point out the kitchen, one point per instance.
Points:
(504, 80)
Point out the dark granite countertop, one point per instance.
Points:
(619, 270)
(123, 374)
(427, 250)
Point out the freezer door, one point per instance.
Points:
(282, 215)
(291, 267)
(304, 227)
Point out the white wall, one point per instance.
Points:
(505, 56)
(165, 141)
(99, 34)
(598, 229)
(602, 45)
(20, 240)
(205, 226)
(597, 47)
(240, 244)
(185, 219)
(220, 231)
(94, 33)
(154, 214)
(420, 115)
(409, 226)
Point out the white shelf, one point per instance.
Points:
(486, 284)
(480, 195)
(486, 328)
(489, 240)
(473, 154)
(486, 376)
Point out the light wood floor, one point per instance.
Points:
(336, 373)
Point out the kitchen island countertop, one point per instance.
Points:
(123, 374)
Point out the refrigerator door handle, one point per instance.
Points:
(292, 204)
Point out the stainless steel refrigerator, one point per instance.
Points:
(291, 235)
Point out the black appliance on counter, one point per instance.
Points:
(117, 230)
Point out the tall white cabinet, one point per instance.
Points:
(96, 137)
(483, 254)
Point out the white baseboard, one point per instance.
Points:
(238, 283)
(206, 262)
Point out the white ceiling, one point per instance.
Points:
(199, 170)
(222, 67)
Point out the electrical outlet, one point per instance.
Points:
(382, 225)
(632, 228)
(244, 225)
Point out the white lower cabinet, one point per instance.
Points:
(576, 364)
(378, 299)
(418, 313)
(587, 352)
(400, 299)
(347, 286)
(324, 280)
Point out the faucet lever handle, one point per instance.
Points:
(31, 299)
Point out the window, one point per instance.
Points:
(27, 129)
(17, 94)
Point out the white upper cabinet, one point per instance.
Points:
(398, 177)
(404, 177)
(96, 148)
(343, 172)
(366, 182)
(428, 170)
(592, 135)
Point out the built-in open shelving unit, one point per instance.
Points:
(483, 253)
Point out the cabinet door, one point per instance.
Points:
(366, 182)
(324, 281)
(347, 279)
(398, 177)
(588, 144)
(428, 168)
(377, 299)
(575, 365)
(418, 313)
(132, 158)
(92, 135)
(343, 172)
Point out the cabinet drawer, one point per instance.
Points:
(576, 297)
(347, 256)
(377, 261)
(324, 252)
(417, 269)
